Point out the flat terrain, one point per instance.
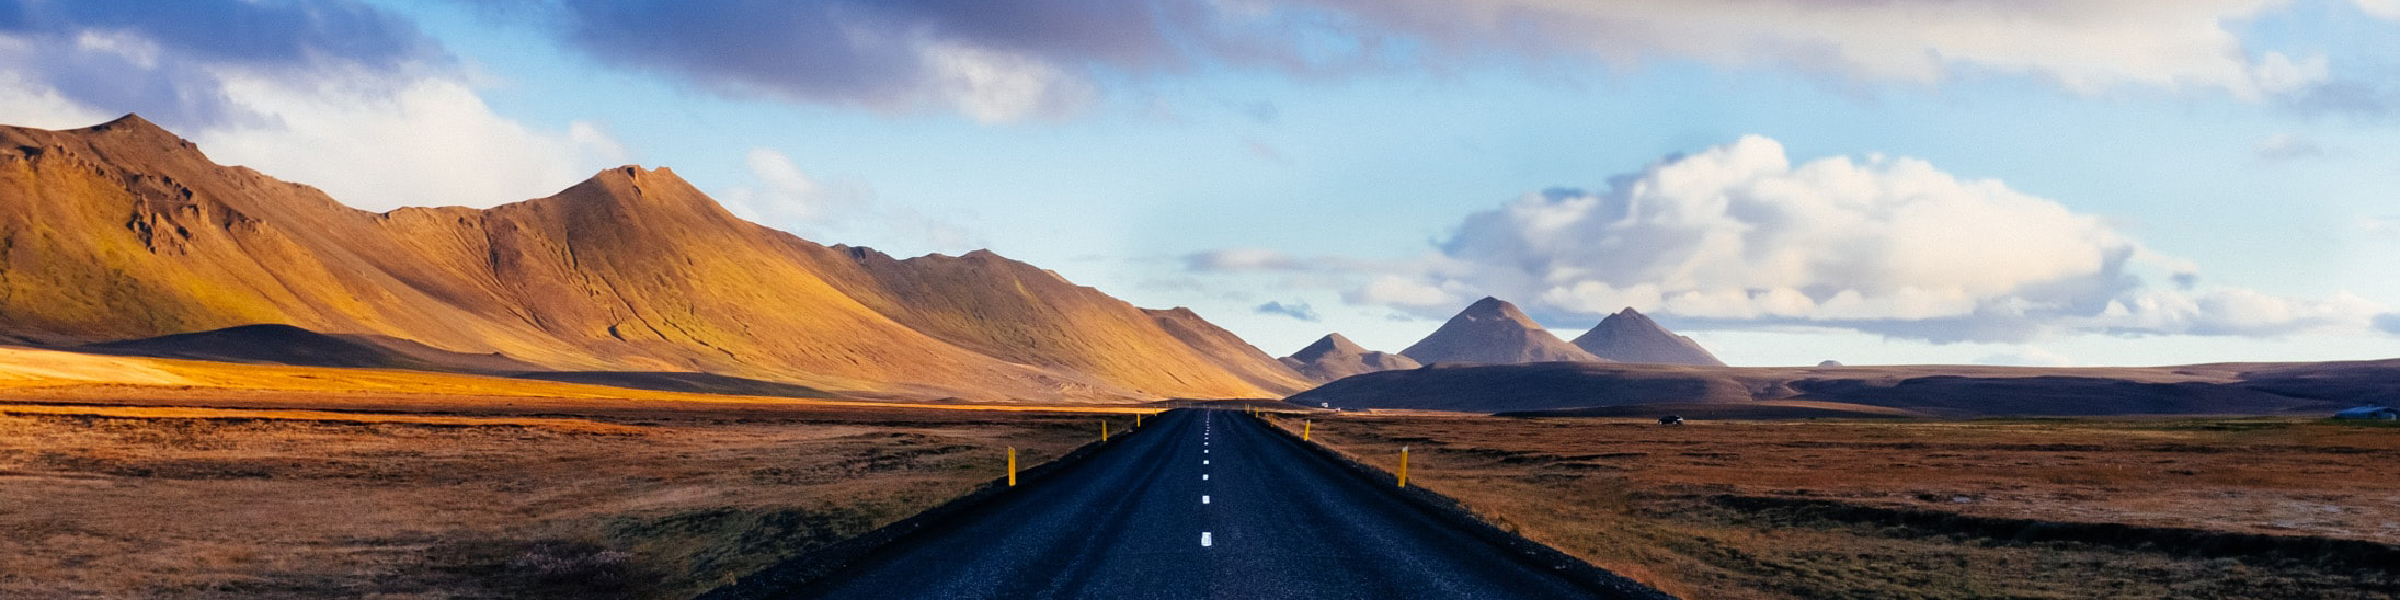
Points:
(400, 494)
(1199, 504)
(1943, 391)
(1927, 509)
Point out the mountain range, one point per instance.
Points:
(1493, 331)
(124, 230)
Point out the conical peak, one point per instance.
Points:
(1494, 308)
(1332, 343)
(131, 122)
(1630, 336)
(1627, 317)
(132, 132)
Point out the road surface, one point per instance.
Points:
(1200, 504)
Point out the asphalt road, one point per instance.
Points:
(1201, 504)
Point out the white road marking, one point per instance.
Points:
(1205, 541)
(1204, 499)
(1204, 462)
(1204, 477)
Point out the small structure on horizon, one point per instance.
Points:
(2385, 413)
(1829, 364)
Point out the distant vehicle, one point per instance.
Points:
(2384, 413)
(1670, 420)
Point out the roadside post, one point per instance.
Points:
(1403, 466)
(1104, 430)
(1012, 467)
(1304, 426)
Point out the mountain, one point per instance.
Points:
(1334, 357)
(1950, 391)
(123, 230)
(1492, 331)
(1629, 336)
(1229, 351)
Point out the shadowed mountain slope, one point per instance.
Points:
(1630, 336)
(1492, 331)
(290, 345)
(1334, 357)
(124, 230)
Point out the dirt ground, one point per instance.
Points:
(419, 496)
(2068, 508)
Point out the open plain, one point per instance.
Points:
(2067, 508)
(278, 494)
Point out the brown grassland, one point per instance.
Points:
(1927, 509)
(431, 496)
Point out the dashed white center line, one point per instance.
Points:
(1204, 462)
(1204, 477)
(1204, 499)
(1205, 539)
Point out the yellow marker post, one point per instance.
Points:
(1012, 467)
(1137, 420)
(1104, 430)
(1403, 466)
(1304, 425)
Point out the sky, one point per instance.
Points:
(2025, 182)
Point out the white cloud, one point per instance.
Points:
(998, 87)
(1740, 236)
(335, 94)
(2288, 146)
(2028, 356)
(28, 103)
(1240, 259)
(2388, 9)
(2085, 46)
(379, 143)
(783, 196)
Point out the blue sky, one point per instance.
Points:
(2049, 182)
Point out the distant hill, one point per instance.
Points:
(1334, 357)
(1932, 390)
(1630, 336)
(1493, 331)
(124, 230)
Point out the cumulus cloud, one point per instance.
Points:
(336, 93)
(1002, 60)
(165, 58)
(1295, 309)
(378, 144)
(783, 196)
(993, 61)
(1739, 235)
(2388, 9)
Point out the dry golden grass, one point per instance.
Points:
(656, 502)
(1640, 499)
(35, 374)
